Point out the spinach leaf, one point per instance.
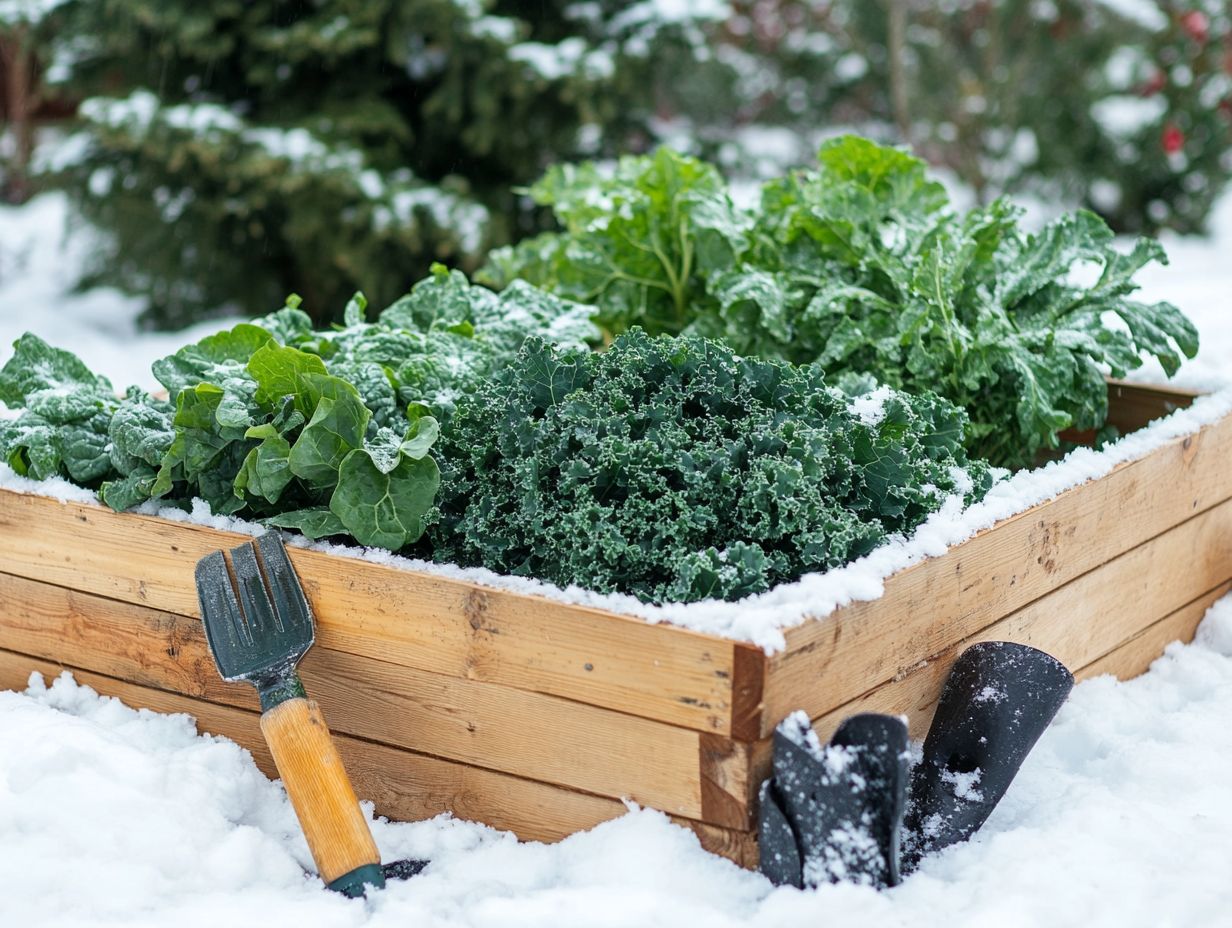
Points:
(384, 509)
(336, 429)
(38, 372)
(330, 432)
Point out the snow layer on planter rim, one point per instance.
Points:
(761, 619)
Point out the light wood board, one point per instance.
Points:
(402, 785)
(418, 620)
(929, 608)
(677, 770)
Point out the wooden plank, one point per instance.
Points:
(417, 620)
(915, 696)
(1083, 620)
(934, 605)
(1134, 405)
(540, 737)
(1136, 655)
(403, 785)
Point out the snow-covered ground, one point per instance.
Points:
(1121, 816)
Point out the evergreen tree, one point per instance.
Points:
(241, 149)
(23, 31)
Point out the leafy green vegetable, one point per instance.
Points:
(385, 507)
(64, 428)
(675, 470)
(329, 432)
(639, 242)
(863, 266)
(40, 374)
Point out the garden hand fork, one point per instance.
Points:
(258, 624)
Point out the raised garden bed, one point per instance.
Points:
(539, 716)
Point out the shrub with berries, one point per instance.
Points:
(1123, 108)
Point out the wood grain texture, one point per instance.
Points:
(1136, 655)
(316, 782)
(403, 785)
(532, 735)
(931, 607)
(417, 620)
(1082, 621)
(727, 790)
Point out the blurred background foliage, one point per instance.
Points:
(237, 150)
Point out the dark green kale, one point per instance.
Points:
(863, 265)
(674, 470)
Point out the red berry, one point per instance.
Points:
(1196, 25)
(1172, 140)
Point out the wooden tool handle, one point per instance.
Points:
(320, 792)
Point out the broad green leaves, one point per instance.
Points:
(38, 371)
(63, 429)
(336, 429)
(266, 470)
(639, 241)
(330, 432)
(278, 370)
(214, 358)
(862, 265)
(385, 507)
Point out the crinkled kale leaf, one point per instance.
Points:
(672, 469)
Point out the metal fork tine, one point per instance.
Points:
(253, 596)
(217, 597)
(256, 618)
(290, 603)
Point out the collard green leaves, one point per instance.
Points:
(862, 265)
(329, 432)
(672, 469)
(639, 242)
(63, 429)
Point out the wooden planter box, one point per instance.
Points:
(541, 717)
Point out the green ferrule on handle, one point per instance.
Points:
(354, 883)
(278, 691)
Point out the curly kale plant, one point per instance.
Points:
(863, 266)
(326, 432)
(674, 470)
